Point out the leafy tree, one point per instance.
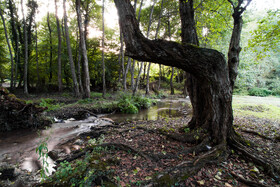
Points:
(215, 76)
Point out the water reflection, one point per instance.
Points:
(163, 109)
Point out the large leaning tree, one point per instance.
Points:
(210, 86)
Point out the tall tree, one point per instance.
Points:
(103, 39)
(72, 66)
(59, 74)
(51, 47)
(213, 75)
(9, 46)
(25, 74)
(84, 51)
(149, 66)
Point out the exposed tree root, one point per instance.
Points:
(258, 134)
(188, 168)
(237, 144)
(247, 182)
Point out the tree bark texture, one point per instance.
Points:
(84, 51)
(25, 73)
(72, 66)
(59, 73)
(171, 82)
(206, 65)
(10, 50)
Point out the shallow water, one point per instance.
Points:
(163, 109)
(18, 147)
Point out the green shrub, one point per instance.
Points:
(142, 102)
(263, 92)
(49, 103)
(276, 92)
(131, 105)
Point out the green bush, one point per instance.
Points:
(142, 102)
(263, 92)
(49, 103)
(131, 105)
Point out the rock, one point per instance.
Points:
(7, 172)
(78, 142)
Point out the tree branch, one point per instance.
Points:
(201, 62)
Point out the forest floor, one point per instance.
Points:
(137, 152)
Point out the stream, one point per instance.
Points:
(18, 147)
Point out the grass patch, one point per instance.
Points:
(260, 111)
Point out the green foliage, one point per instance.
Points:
(131, 105)
(42, 150)
(90, 171)
(259, 92)
(49, 103)
(85, 101)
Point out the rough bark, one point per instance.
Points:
(234, 47)
(207, 65)
(74, 78)
(84, 51)
(9, 47)
(59, 74)
(25, 51)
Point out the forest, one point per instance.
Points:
(139, 93)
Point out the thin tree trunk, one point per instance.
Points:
(84, 51)
(59, 74)
(37, 59)
(171, 82)
(122, 56)
(159, 78)
(25, 74)
(103, 40)
(10, 50)
(79, 64)
(51, 48)
(138, 80)
(72, 66)
(125, 73)
(159, 21)
(135, 88)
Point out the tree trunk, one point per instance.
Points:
(51, 48)
(74, 78)
(103, 40)
(135, 88)
(125, 74)
(84, 51)
(138, 79)
(207, 65)
(25, 51)
(79, 57)
(10, 50)
(148, 33)
(171, 82)
(59, 74)
(37, 59)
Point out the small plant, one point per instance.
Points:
(49, 104)
(85, 101)
(187, 130)
(42, 150)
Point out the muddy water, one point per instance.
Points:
(18, 147)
